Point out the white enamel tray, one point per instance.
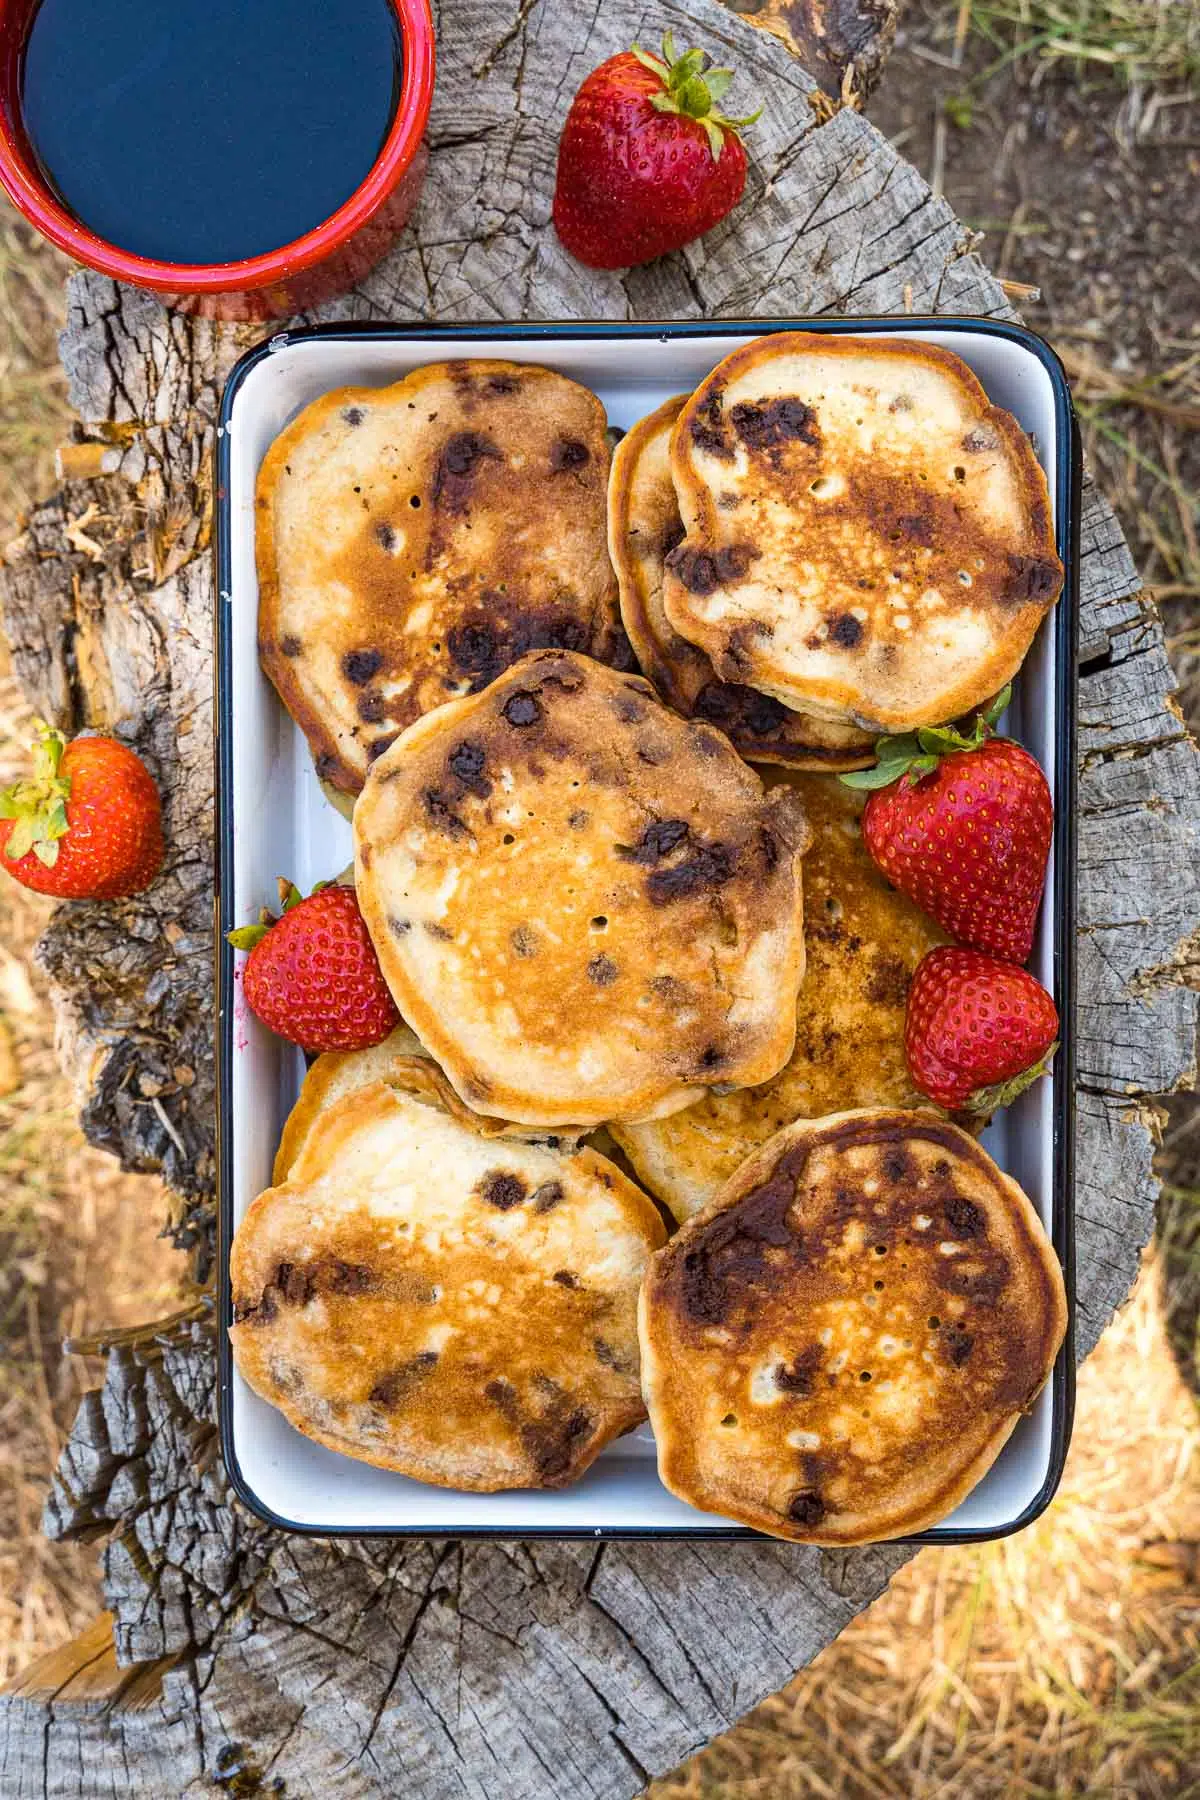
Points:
(272, 819)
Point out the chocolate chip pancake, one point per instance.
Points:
(459, 1309)
(837, 1348)
(330, 1078)
(414, 540)
(587, 908)
(868, 538)
(644, 526)
(863, 942)
(402, 1063)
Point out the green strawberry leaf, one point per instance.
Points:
(913, 754)
(246, 936)
(693, 90)
(21, 838)
(653, 63)
(985, 1101)
(289, 894)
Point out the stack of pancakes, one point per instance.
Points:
(599, 923)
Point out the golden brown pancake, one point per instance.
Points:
(586, 907)
(643, 527)
(401, 1061)
(414, 540)
(837, 1348)
(459, 1309)
(868, 538)
(330, 1078)
(863, 942)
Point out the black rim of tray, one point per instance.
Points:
(1067, 482)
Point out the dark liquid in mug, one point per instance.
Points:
(205, 131)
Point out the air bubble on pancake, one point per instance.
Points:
(948, 1249)
(729, 1419)
(922, 1222)
(964, 578)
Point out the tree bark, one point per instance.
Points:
(498, 1670)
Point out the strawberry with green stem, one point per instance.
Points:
(86, 824)
(962, 824)
(647, 161)
(312, 975)
(977, 1031)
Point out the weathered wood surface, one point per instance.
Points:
(487, 1669)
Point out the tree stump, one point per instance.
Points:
(239, 1660)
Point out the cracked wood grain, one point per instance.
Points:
(494, 1671)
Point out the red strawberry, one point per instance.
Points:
(963, 827)
(313, 975)
(978, 1031)
(645, 162)
(87, 825)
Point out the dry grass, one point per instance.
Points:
(1137, 41)
(1062, 1661)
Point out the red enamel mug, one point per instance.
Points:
(323, 262)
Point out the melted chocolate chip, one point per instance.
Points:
(289, 645)
(1031, 578)
(522, 709)
(657, 841)
(524, 941)
(709, 866)
(695, 569)
(353, 415)
(358, 666)
(377, 746)
(602, 970)
(963, 1218)
(569, 453)
(472, 647)
(565, 1278)
(345, 1278)
(733, 560)
(806, 1508)
(775, 423)
(457, 467)
(386, 537)
(547, 1197)
(708, 428)
(372, 707)
(797, 1376)
(503, 1191)
(501, 384)
(466, 762)
(845, 630)
(959, 1345)
(915, 526)
(441, 814)
(729, 1259)
(393, 1387)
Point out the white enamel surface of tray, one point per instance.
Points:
(280, 823)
